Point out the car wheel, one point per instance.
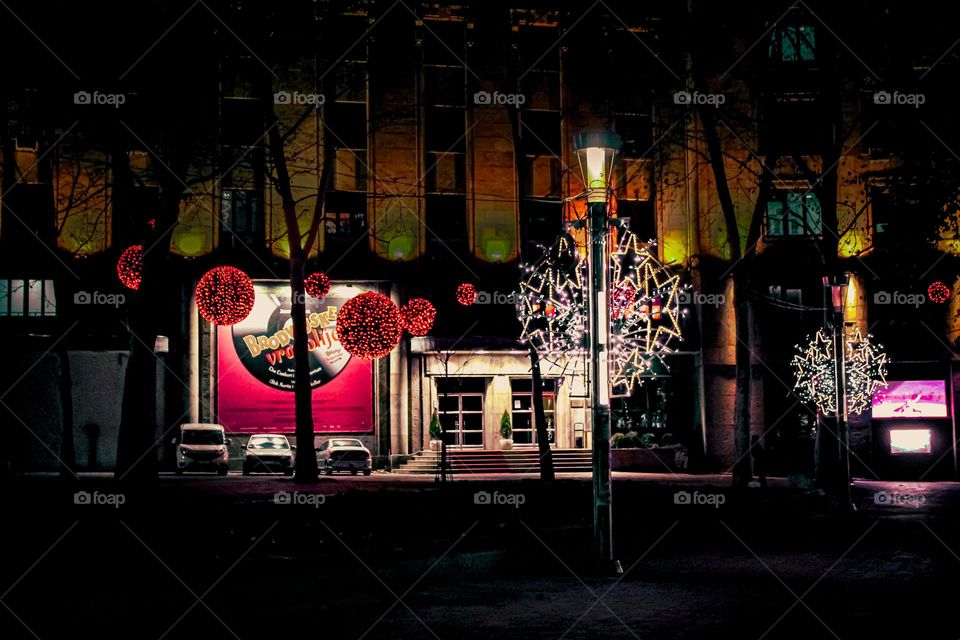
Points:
(353, 472)
(246, 470)
(366, 472)
(222, 471)
(179, 471)
(328, 471)
(288, 472)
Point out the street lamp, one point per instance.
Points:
(595, 152)
(837, 289)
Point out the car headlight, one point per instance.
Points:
(221, 451)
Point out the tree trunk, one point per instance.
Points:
(742, 473)
(306, 457)
(540, 420)
(68, 452)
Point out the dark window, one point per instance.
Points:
(542, 224)
(446, 221)
(241, 213)
(241, 122)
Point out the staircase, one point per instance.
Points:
(477, 461)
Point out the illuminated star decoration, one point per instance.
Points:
(550, 304)
(866, 368)
(644, 312)
(815, 369)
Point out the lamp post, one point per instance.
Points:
(595, 152)
(837, 289)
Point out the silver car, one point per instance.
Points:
(267, 452)
(202, 447)
(343, 454)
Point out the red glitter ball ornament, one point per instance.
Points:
(317, 285)
(130, 266)
(224, 296)
(417, 316)
(369, 326)
(938, 292)
(466, 294)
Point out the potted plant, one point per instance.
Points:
(435, 432)
(506, 431)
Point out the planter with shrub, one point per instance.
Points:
(506, 431)
(632, 451)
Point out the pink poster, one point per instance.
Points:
(911, 399)
(255, 367)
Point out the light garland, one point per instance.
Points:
(644, 312)
(551, 306)
(317, 285)
(938, 292)
(466, 294)
(815, 370)
(224, 295)
(369, 326)
(417, 316)
(130, 267)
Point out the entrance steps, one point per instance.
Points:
(478, 461)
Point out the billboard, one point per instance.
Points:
(904, 441)
(911, 399)
(255, 367)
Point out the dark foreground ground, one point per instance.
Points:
(377, 558)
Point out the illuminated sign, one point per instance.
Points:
(910, 441)
(911, 399)
(256, 366)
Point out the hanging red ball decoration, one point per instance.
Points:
(369, 326)
(938, 292)
(466, 294)
(318, 285)
(130, 266)
(417, 316)
(224, 296)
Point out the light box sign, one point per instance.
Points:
(904, 441)
(911, 399)
(255, 367)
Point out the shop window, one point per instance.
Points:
(793, 214)
(30, 298)
(522, 415)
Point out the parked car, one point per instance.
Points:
(266, 452)
(343, 454)
(202, 447)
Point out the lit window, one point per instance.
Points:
(793, 43)
(793, 213)
(32, 298)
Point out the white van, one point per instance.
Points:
(202, 447)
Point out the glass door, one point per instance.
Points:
(462, 413)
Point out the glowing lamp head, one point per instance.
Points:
(595, 151)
